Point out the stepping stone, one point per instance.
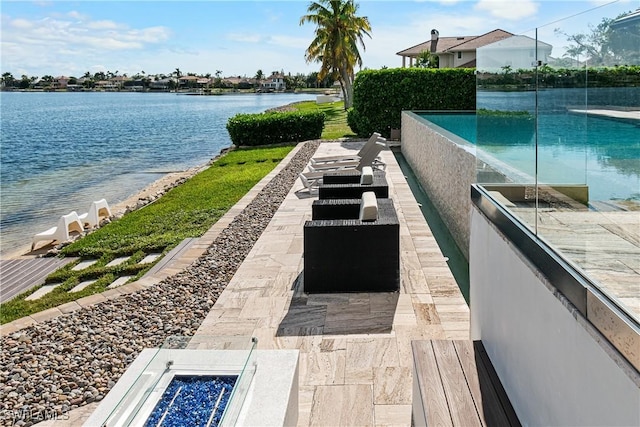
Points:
(84, 264)
(150, 258)
(42, 292)
(82, 285)
(119, 281)
(118, 261)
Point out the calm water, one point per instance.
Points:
(60, 151)
(572, 149)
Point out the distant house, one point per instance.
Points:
(106, 85)
(61, 82)
(274, 82)
(518, 52)
(161, 84)
(453, 52)
(188, 81)
(119, 81)
(239, 82)
(203, 81)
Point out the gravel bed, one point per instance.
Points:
(73, 360)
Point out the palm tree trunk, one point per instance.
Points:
(347, 89)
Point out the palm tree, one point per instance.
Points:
(7, 79)
(178, 74)
(338, 33)
(426, 59)
(259, 78)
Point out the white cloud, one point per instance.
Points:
(72, 43)
(244, 37)
(21, 24)
(289, 42)
(102, 25)
(510, 10)
(77, 15)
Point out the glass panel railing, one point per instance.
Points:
(558, 140)
(589, 148)
(506, 121)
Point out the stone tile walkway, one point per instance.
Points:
(355, 349)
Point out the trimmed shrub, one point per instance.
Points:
(381, 95)
(550, 77)
(275, 127)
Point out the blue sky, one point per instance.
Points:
(240, 37)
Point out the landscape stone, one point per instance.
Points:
(81, 354)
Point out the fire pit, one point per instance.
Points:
(182, 383)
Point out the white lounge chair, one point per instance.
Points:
(98, 210)
(348, 157)
(368, 159)
(313, 178)
(60, 233)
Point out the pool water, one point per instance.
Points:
(600, 152)
(195, 400)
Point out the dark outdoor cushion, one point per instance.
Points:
(348, 186)
(349, 255)
(347, 177)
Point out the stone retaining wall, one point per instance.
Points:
(445, 170)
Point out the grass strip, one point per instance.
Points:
(187, 210)
(335, 123)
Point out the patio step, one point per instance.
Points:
(454, 383)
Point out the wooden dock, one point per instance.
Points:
(22, 274)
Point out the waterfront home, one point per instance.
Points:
(105, 85)
(453, 52)
(161, 84)
(61, 82)
(274, 82)
(239, 82)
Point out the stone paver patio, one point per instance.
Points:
(355, 349)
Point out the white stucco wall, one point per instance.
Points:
(554, 367)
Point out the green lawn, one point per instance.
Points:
(335, 125)
(187, 210)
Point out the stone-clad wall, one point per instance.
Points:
(445, 170)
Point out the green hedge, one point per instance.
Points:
(275, 127)
(549, 77)
(381, 95)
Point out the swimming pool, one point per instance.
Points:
(603, 153)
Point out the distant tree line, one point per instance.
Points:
(551, 77)
(145, 82)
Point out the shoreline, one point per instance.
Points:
(152, 191)
(125, 182)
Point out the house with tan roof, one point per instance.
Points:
(61, 82)
(274, 82)
(453, 52)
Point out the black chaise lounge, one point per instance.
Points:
(352, 185)
(359, 252)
